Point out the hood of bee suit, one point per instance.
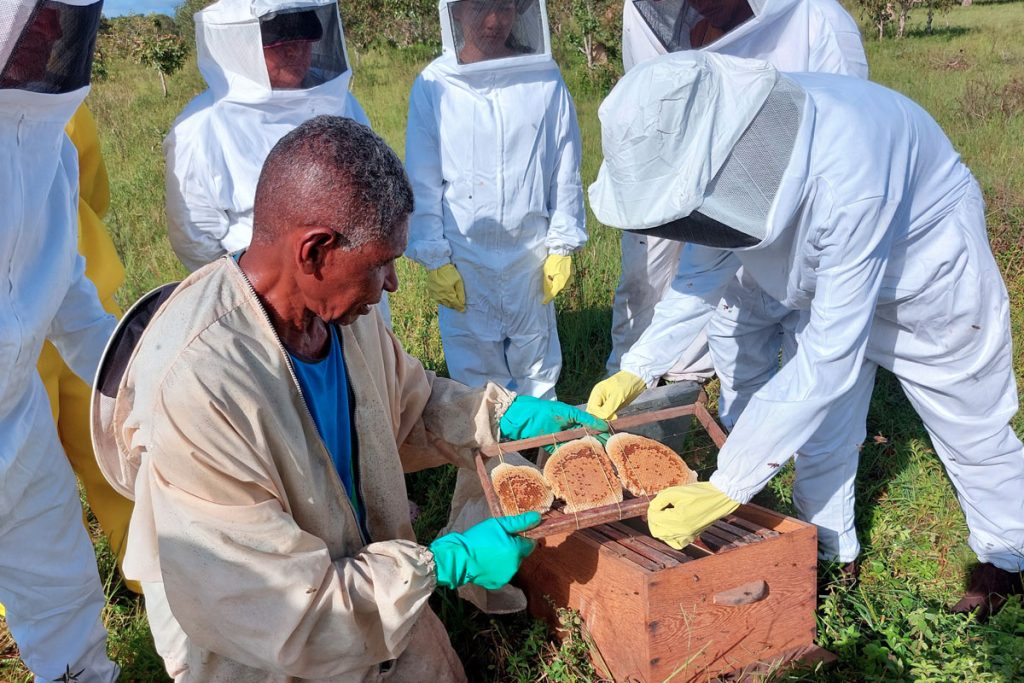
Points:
(653, 27)
(231, 36)
(487, 36)
(45, 62)
(667, 129)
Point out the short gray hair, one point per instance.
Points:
(336, 172)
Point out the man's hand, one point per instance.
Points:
(445, 287)
(678, 514)
(611, 394)
(487, 554)
(529, 416)
(557, 273)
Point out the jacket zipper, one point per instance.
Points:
(305, 406)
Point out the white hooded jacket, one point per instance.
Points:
(217, 146)
(857, 234)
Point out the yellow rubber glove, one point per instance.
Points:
(609, 395)
(446, 288)
(557, 273)
(678, 514)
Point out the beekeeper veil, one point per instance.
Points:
(495, 34)
(695, 147)
(249, 48)
(47, 47)
(689, 24)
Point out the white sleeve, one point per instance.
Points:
(195, 225)
(567, 218)
(427, 243)
(786, 412)
(683, 311)
(81, 328)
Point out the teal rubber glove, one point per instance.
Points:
(529, 416)
(487, 554)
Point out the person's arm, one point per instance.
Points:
(683, 311)
(427, 243)
(195, 225)
(81, 328)
(241, 577)
(93, 183)
(785, 413)
(566, 216)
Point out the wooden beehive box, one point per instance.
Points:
(742, 598)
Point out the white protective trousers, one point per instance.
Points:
(48, 578)
(792, 35)
(493, 158)
(968, 422)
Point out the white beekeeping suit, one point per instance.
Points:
(793, 35)
(845, 203)
(493, 153)
(217, 145)
(49, 584)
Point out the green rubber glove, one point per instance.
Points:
(679, 514)
(528, 417)
(611, 394)
(487, 554)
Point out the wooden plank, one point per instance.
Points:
(609, 541)
(568, 435)
(689, 630)
(556, 522)
(712, 427)
(768, 518)
(629, 538)
(756, 529)
(488, 487)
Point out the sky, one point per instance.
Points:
(115, 8)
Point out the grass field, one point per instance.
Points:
(892, 627)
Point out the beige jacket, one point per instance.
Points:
(239, 511)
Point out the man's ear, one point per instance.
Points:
(314, 244)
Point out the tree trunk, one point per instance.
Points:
(928, 26)
(902, 26)
(163, 81)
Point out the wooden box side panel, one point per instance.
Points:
(610, 594)
(722, 612)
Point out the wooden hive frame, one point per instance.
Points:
(557, 522)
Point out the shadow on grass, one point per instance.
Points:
(944, 33)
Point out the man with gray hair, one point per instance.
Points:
(263, 423)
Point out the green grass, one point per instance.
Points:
(891, 628)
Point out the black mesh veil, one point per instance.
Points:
(685, 24)
(53, 53)
(314, 28)
(483, 30)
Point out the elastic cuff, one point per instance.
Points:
(503, 399)
(561, 251)
(739, 494)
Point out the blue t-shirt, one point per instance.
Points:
(324, 385)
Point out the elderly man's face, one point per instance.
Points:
(350, 282)
(288, 63)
